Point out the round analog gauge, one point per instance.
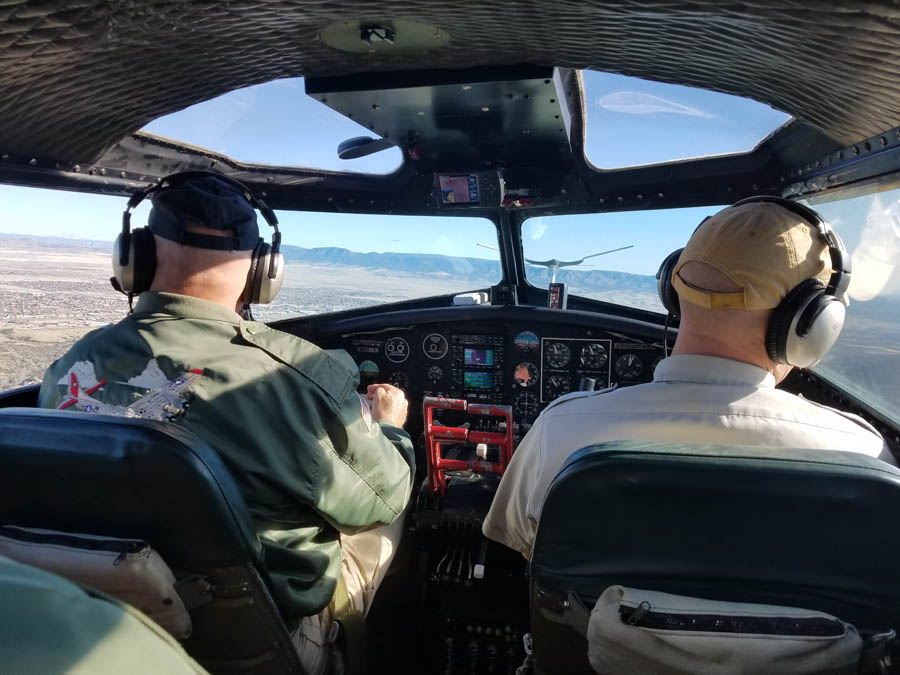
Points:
(526, 404)
(558, 355)
(434, 373)
(435, 346)
(629, 366)
(655, 363)
(396, 349)
(525, 374)
(593, 356)
(557, 385)
(399, 379)
(526, 341)
(368, 372)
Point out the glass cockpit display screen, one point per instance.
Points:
(459, 189)
(478, 380)
(478, 357)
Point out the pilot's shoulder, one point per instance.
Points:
(333, 371)
(863, 425)
(578, 395)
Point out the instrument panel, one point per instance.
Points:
(522, 364)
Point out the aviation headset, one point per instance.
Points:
(134, 253)
(809, 319)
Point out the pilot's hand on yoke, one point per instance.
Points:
(388, 403)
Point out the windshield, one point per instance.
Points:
(274, 123)
(865, 361)
(632, 122)
(54, 275)
(623, 277)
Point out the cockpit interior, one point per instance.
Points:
(522, 143)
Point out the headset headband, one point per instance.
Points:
(178, 179)
(841, 267)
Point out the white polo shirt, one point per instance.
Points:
(693, 399)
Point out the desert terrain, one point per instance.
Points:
(49, 297)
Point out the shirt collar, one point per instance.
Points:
(712, 370)
(186, 306)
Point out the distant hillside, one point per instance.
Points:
(31, 241)
(416, 264)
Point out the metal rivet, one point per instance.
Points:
(77, 168)
(855, 150)
(102, 172)
(421, 113)
(122, 174)
(526, 131)
(640, 198)
(371, 202)
(485, 108)
(330, 200)
(755, 187)
(33, 162)
(602, 200)
(620, 199)
(4, 157)
(660, 195)
(466, 87)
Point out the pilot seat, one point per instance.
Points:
(780, 527)
(144, 480)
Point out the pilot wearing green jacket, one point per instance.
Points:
(326, 472)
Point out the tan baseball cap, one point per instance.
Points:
(764, 248)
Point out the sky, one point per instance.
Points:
(276, 123)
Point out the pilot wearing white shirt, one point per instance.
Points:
(738, 338)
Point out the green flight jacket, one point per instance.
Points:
(283, 414)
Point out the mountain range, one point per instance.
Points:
(419, 264)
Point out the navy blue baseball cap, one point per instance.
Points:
(209, 201)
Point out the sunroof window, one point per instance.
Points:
(632, 122)
(274, 123)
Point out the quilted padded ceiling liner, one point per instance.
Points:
(77, 75)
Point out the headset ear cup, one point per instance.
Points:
(269, 275)
(668, 296)
(780, 337)
(137, 275)
(251, 290)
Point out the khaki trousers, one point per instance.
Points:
(365, 560)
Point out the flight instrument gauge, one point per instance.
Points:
(399, 379)
(526, 405)
(526, 341)
(629, 366)
(558, 355)
(593, 356)
(396, 349)
(557, 385)
(525, 374)
(435, 346)
(434, 373)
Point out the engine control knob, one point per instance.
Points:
(481, 450)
